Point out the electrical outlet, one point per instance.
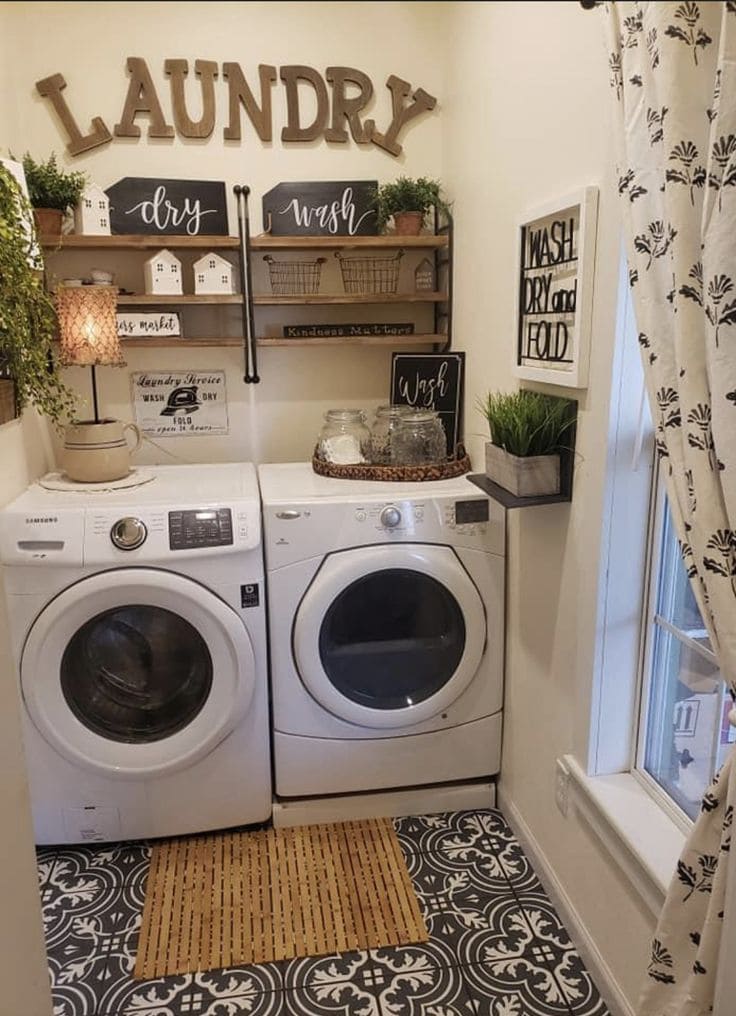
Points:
(562, 787)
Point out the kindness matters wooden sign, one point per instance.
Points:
(319, 107)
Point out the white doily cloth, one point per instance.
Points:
(60, 481)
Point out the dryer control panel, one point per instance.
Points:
(200, 527)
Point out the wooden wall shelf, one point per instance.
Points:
(273, 340)
(132, 241)
(389, 242)
(317, 298)
(157, 299)
(509, 500)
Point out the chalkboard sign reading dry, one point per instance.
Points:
(431, 381)
(169, 207)
(556, 258)
(338, 208)
(350, 331)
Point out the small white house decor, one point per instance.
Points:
(213, 274)
(555, 303)
(162, 274)
(92, 214)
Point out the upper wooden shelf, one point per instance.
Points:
(308, 299)
(177, 298)
(389, 241)
(137, 242)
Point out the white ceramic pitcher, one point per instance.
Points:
(96, 452)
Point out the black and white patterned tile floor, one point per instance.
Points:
(497, 947)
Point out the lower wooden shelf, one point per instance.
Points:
(269, 340)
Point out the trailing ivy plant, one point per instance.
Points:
(27, 316)
(527, 423)
(407, 195)
(49, 186)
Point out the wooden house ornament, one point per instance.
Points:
(92, 213)
(162, 274)
(213, 274)
(425, 278)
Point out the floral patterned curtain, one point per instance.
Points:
(673, 77)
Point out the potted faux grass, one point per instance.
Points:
(52, 192)
(528, 431)
(408, 201)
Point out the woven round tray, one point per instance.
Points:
(396, 474)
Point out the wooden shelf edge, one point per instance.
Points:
(177, 343)
(307, 299)
(387, 241)
(137, 241)
(354, 340)
(509, 500)
(145, 299)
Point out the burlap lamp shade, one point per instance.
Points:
(87, 326)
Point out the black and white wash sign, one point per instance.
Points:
(336, 208)
(169, 207)
(431, 381)
(180, 403)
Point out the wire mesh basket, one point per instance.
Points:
(370, 275)
(294, 278)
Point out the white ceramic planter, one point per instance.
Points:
(524, 477)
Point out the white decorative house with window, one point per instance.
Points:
(162, 274)
(213, 274)
(92, 214)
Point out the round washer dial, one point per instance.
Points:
(128, 533)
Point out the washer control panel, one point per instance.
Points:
(197, 528)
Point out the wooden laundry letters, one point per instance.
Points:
(338, 98)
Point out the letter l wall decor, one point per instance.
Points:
(556, 245)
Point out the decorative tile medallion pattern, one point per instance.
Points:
(497, 947)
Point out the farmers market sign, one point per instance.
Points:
(336, 102)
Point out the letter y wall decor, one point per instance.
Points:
(555, 300)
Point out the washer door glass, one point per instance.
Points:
(136, 673)
(392, 639)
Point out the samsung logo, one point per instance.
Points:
(33, 519)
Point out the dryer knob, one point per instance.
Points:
(128, 533)
(390, 517)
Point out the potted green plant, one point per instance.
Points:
(408, 202)
(27, 317)
(528, 430)
(52, 192)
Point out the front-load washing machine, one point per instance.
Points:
(138, 627)
(386, 614)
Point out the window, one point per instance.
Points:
(684, 733)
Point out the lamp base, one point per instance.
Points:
(96, 451)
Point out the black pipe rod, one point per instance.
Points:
(94, 394)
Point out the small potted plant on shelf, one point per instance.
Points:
(408, 202)
(528, 431)
(52, 192)
(27, 317)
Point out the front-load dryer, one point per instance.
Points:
(138, 627)
(386, 613)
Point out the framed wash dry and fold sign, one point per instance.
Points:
(555, 298)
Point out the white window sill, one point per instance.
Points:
(638, 834)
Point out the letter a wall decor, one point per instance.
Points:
(555, 300)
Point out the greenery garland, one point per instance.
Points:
(27, 316)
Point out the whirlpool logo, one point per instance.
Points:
(32, 520)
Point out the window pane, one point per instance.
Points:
(683, 747)
(675, 597)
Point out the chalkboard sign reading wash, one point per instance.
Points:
(338, 208)
(169, 207)
(431, 381)
(556, 259)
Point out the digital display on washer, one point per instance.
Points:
(471, 511)
(206, 527)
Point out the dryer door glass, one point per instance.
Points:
(392, 639)
(136, 673)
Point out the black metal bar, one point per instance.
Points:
(94, 394)
(246, 285)
(588, 5)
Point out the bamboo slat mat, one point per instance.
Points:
(236, 898)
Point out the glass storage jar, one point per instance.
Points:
(382, 430)
(419, 439)
(344, 439)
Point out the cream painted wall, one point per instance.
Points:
(526, 119)
(23, 973)
(279, 419)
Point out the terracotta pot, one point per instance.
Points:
(98, 452)
(524, 477)
(48, 221)
(408, 223)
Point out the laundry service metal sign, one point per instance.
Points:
(180, 403)
(327, 107)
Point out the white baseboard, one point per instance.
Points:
(591, 955)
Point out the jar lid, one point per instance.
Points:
(344, 415)
(393, 410)
(421, 415)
